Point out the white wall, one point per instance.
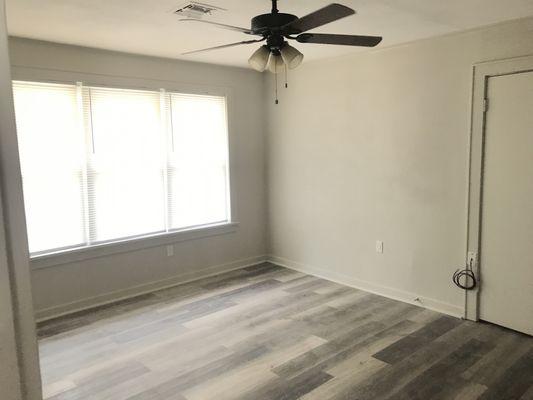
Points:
(375, 146)
(19, 372)
(69, 286)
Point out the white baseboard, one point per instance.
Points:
(112, 297)
(392, 293)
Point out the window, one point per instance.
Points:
(103, 164)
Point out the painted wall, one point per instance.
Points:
(373, 147)
(19, 371)
(68, 286)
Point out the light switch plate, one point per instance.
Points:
(379, 246)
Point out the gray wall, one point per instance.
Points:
(77, 284)
(375, 146)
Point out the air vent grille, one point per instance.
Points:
(196, 9)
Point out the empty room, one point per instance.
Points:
(266, 200)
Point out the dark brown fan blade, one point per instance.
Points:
(324, 16)
(345, 40)
(224, 26)
(223, 46)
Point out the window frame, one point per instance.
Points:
(123, 245)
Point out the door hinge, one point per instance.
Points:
(485, 105)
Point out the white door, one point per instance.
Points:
(506, 296)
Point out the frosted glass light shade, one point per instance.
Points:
(259, 59)
(291, 56)
(276, 64)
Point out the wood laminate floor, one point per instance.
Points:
(265, 332)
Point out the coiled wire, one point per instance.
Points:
(470, 281)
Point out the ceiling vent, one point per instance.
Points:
(197, 10)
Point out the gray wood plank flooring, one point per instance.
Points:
(266, 332)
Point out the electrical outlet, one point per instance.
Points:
(379, 246)
(170, 250)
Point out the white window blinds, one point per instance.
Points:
(101, 164)
(126, 163)
(52, 153)
(197, 173)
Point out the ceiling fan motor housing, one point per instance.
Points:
(272, 22)
(275, 42)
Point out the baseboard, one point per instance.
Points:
(108, 298)
(392, 293)
(112, 297)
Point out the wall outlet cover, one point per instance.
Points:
(170, 251)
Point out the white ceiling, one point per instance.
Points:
(150, 27)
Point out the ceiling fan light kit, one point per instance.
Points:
(276, 28)
(259, 60)
(276, 64)
(291, 56)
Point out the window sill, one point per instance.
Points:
(127, 245)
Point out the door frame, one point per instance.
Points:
(480, 105)
(14, 255)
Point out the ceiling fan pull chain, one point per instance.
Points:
(276, 82)
(286, 76)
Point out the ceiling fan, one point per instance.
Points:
(276, 27)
